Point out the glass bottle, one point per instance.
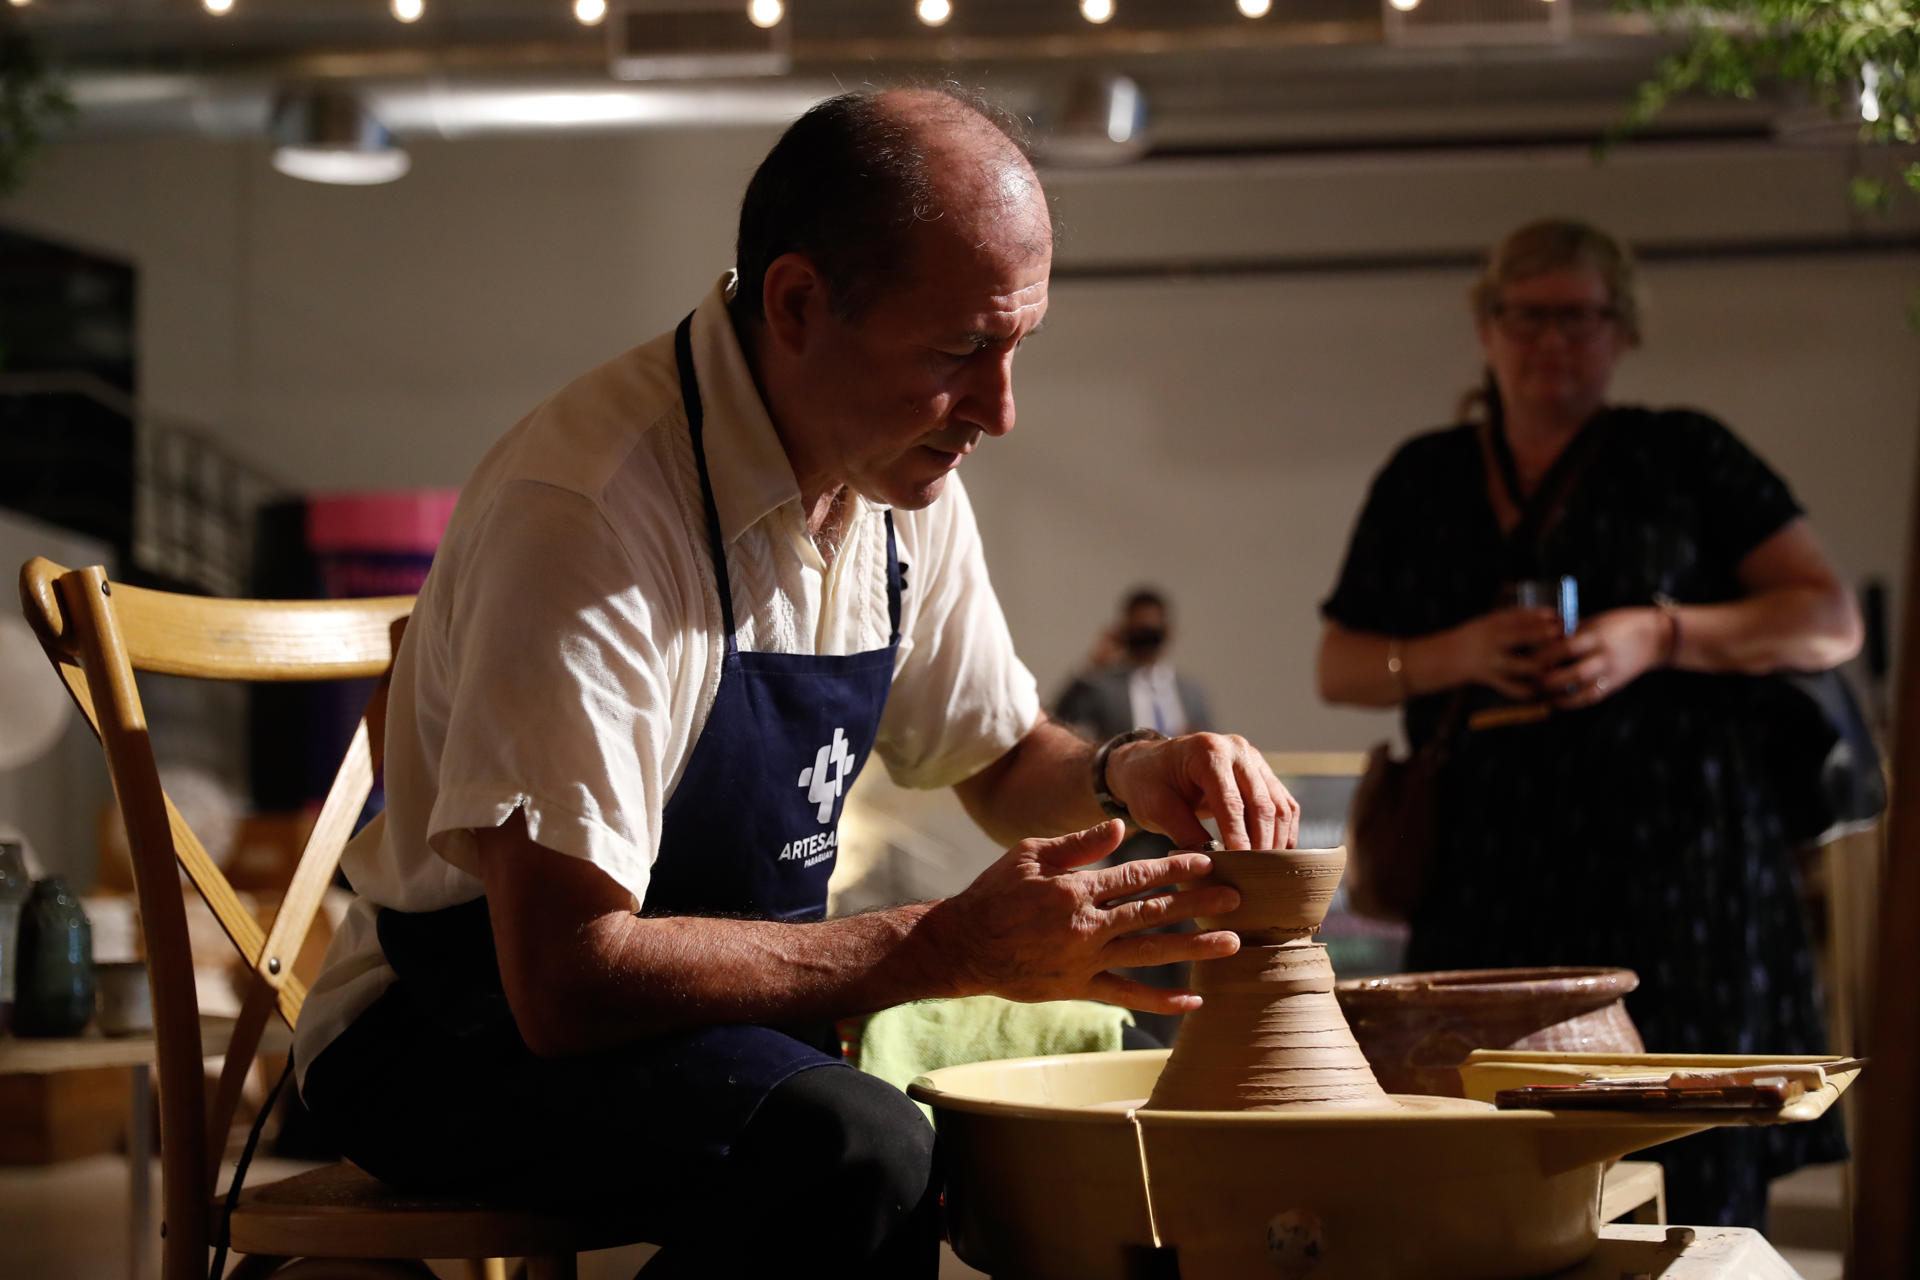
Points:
(54, 995)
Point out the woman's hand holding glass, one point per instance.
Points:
(1509, 650)
(1610, 651)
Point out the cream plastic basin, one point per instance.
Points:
(1055, 1170)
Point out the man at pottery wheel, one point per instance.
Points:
(677, 608)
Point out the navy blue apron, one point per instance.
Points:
(751, 830)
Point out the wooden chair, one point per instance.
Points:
(98, 635)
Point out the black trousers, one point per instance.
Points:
(833, 1172)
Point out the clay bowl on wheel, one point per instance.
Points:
(1284, 893)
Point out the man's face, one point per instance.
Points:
(1144, 632)
(903, 393)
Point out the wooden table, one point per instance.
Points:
(1681, 1253)
(22, 1056)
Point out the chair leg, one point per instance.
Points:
(561, 1266)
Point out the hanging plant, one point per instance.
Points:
(1860, 59)
(31, 100)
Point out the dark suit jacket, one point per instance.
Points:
(1097, 704)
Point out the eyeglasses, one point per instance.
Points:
(1575, 323)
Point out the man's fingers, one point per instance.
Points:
(1224, 804)
(1287, 810)
(1078, 848)
(1129, 994)
(1129, 879)
(1262, 810)
(1172, 906)
(1178, 824)
(1135, 950)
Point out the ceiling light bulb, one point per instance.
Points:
(1096, 10)
(589, 12)
(409, 10)
(20, 4)
(765, 13)
(1405, 6)
(933, 12)
(1255, 8)
(217, 6)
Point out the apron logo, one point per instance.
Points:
(822, 790)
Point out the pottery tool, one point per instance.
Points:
(1809, 1075)
(1763, 1086)
(1770, 1095)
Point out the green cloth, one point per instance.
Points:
(910, 1040)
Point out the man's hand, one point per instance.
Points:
(1169, 786)
(1034, 928)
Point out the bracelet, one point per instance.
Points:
(1101, 794)
(1670, 610)
(1395, 667)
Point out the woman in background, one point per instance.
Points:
(1631, 822)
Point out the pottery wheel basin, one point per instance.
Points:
(1055, 1169)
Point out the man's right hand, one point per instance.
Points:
(1035, 926)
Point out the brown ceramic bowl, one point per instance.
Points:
(1284, 893)
(1417, 1028)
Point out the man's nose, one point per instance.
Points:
(989, 400)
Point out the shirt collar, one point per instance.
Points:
(745, 461)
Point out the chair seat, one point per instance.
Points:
(342, 1212)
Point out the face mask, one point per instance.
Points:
(1144, 642)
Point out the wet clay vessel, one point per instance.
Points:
(1270, 1035)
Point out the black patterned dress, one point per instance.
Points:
(1637, 832)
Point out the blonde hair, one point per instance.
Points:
(1557, 244)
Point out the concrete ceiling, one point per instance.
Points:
(1311, 74)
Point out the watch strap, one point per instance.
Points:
(1102, 795)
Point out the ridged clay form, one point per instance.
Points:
(1270, 1035)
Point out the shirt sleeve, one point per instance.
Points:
(558, 686)
(1743, 501)
(961, 697)
(1365, 594)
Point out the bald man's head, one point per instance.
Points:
(855, 181)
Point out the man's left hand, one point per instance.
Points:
(1169, 786)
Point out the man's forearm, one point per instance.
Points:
(1043, 786)
(581, 971)
(644, 975)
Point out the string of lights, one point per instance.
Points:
(770, 13)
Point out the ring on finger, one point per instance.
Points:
(1599, 684)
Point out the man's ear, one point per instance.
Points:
(793, 297)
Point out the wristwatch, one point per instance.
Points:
(1102, 796)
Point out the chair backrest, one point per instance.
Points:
(98, 634)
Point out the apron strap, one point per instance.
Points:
(896, 581)
(696, 421)
(716, 547)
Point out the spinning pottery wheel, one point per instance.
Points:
(1262, 1147)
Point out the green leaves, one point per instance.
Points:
(1857, 58)
(30, 99)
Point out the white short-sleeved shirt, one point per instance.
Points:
(566, 646)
